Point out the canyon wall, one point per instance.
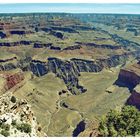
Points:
(130, 77)
(69, 70)
(134, 99)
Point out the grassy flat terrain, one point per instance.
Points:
(96, 101)
(42, 94)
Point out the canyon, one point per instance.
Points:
(71, 71)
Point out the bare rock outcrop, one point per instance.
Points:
(12, 80)
(134, 99)
(16, 117)
(130, 76)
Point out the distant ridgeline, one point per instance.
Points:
(40, 32)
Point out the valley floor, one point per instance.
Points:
(58, 119)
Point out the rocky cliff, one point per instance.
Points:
(16, 117)
(130, 77)
(11, 44)
(6, 64)
(106, 46)
(134, 99)
(2, 35)
(69, 70)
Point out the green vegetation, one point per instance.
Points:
(13, 122)
(13, 99)
(5, 133)
(121, 123)
(5, 126)
(4, 129)
(24, 127)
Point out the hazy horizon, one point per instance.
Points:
(71, 8)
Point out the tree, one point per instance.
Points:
(13, 99)
(121, 123)
(5, 133)
(13, 122)
(24, 127)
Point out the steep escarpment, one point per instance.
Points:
(134, 99)
(2, 35)
(17, 32)
(7, 64)
(106, 46)
(38, 68)
(120, 40)
(63, 69)
(124, 42)
(99, 64)
(69, 70)
(11, 44)
(86, 65)
(130, 77)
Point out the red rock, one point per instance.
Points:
(12, 80)
(130, 75)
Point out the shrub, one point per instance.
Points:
(5, 127)
(13, 99)
(13, 122)
(39, 128)
(5, 133)
(121, 123)
(24, 127)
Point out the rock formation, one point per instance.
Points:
(134, 99)
(40, 45)
(17, 32)
(57, 34)
(2, 34)
(74, 47)
(100, 46)
(130, 77)
(69, 70)
(16, 117)
(11, 44)
(12, 80)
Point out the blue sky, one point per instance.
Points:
(71, 8)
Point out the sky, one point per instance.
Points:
(71, 8)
